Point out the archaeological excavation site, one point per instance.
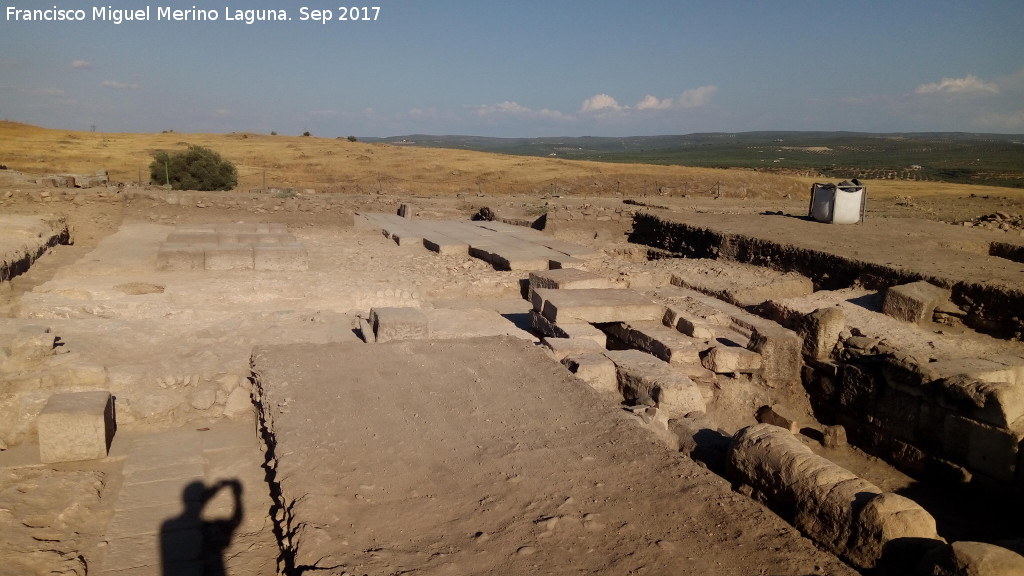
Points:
(391, 383)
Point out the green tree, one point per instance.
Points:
(196, 168)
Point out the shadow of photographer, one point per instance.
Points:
(192, 545)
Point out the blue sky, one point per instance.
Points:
(523, 68)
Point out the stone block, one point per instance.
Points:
(568, 278)
(644, 379)
(286, 257)
(595, 369)
(691, 324)
(406, 210)
(778, 416)
(229, 257)
(76, 426)
(398, 323)
(445, 245)
(820, 330)
(731, 360)
(914, 302)
(997, 403)
(180, 257)
(562, 347)
(597, 305)
(567, 329)
(834, 436)
(31, 345)
(659, 340)
(780, 350)
(982, 448)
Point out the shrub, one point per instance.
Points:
(196, 168)
(352, 139)
(306, 133)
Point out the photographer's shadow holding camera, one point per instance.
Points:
(191, 545)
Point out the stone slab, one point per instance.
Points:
(76, 426)
(597, 305)
(659, 340)
(646, 379)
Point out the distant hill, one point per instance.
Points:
(956, 157)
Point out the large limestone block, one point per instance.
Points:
(731, 360)
(597, 305)
(76, 426)
(645, 379)
(780, 350)
(914, 302)
(399, 323)
(820, 330)
(281, 257)
(997, 403)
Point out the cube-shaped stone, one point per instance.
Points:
(914, 302)
(76, 426)
(229, 257)
(398, 323)
(289, 257)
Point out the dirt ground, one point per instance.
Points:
(195, 332)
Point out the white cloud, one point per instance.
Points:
(119, 85)
(651, 103)
(696, 97)
(221, 112)
(600, 102)
(969, 84)
(692, 98)
(80, 64)
(515, 109)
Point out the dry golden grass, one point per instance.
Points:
(337, 165)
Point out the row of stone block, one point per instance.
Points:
(190, 257)
(213, 238)
(505, 247)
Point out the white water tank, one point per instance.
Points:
(841, 203)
